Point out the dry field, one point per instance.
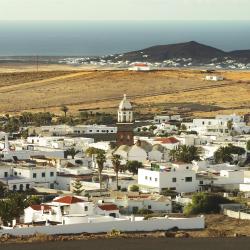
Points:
(102, 89)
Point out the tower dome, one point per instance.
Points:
(125, 104)
(125, 111)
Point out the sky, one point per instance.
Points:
(124, 9)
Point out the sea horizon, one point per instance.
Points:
(99, 38)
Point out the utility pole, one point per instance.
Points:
(37, 63)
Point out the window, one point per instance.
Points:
(187, 167)
(34, 175)
(27, 186)
(14, 187)
(156, 179)
(201, 182)
(149, 207)
(5, 174)
(146, 177)
(43, 174)
(86, 208)
(21, 187)
(188, 179)
(15, 173)
(174, 179)
(150, 178)
(51, 174)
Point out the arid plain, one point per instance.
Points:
(22, 88)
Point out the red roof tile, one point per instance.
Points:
(108, 207)
(170, 140)
(40, 207)
(141, 65)
(68, 200)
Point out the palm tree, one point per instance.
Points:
(72, 152)
(64, 109)
(116, 162)
(100, 160)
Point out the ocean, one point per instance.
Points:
(97, 38)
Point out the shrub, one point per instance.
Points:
(205, 203)
(145, 211)
(134, 188)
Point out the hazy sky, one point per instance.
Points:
(124, 9)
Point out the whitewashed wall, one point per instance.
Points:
(123, 225)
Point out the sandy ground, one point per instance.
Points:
(58, 85)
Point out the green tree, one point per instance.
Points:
(116, 162)
(224, 154)
(185, 154)
(248, 145)
(6, 209)
(32, 200)
(93, 151)
(205, 203)
(65, 110)
(3, 190)
(183, 127)
(72, 152)
(133, 166)
(230, 125)
(12, 125)
(100, 160)
(77, 187)
(134, 188)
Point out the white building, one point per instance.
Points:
(140, 67)
(158, 119)
(178, 177)
(94, 129)
(214, 78)
(42, 176)
(70, 210)
(132, 203)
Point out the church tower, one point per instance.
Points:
(125, 122)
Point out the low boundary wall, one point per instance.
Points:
(236, 214)
(123, 226)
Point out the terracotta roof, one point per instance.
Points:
(108, 207)
(40, 207)
(141, 65)
(170, 140)
(68, 199)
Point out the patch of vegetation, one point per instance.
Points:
(205, 203)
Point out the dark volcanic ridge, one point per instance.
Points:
(194, 50)
(189, 54)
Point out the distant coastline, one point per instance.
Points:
(98, 38)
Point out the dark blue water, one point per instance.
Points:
(77, 38)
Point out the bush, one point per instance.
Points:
(205, 203)
(134, 188)
(145, 211)
(168, 192)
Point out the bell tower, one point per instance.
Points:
(125, 122)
